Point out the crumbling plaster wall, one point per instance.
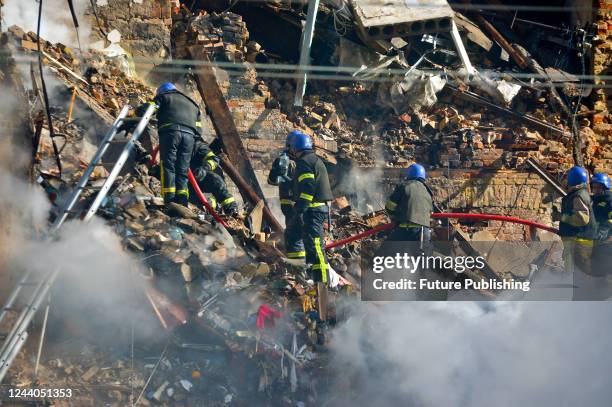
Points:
(144, 26)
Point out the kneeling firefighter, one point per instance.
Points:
(281, 175)
(205, 167)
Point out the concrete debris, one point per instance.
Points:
(236, 320)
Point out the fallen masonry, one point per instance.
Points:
(214, 311)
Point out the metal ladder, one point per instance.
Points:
(42, 283)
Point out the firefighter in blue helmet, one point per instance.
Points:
(577, 228)
(410, 206)
(281, 175)
(178, 125)
(311, 192)
(602, 208)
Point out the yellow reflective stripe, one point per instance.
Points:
(210, 154)
(296, 255)
(305, 196)
(409, 225)
(183, 192)
(322, 263)
(198, 124)
(228, 201)
(585, 242)
(168, 190)
(213, 202)
(287, 202)
(308, 175)
(153, 104)
(212, 164)
(390, 205)
(161, 173)
(316, 204)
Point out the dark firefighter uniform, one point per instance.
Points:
(312, 191)
(410, 206)
(602, 250)
(205, 168)
(281, 175)
(178, 123)
(578, 229)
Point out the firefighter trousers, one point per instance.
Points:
(294, 244)
(175, 149)
(214, 184)
(314, 242)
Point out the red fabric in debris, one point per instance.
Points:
(266, 316)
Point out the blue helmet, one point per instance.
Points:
(298, 141)
(576, 176)
(601, 178)
(415, 171)
(165, 87)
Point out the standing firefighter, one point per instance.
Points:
(312, 192)
(178, 124)
(410, 206)
(205, 168)
(281, 175)
(602, 207)
(577, 228)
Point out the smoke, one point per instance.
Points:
(98, 291)
(56, 24)
(474, 355)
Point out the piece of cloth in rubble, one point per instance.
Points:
(417, 90)
(266, 316)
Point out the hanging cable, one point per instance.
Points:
(58, 160)
(75, 22)
(95, 11)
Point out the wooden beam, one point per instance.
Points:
(222, 119)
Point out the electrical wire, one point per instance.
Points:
(56, 152)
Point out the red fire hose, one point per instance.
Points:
(196, 188)
(471, 216)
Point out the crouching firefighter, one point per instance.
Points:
(312, 192)
(205, 168)
(602, 208)
(577, 229)
(410, 206)
(178, 124)
(281, 175)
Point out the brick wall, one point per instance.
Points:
(144, 26)
(508, 193)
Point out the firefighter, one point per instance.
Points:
(205, 167)
(312, 193)
(178, 124)
(410, 206)
(602, 208)
(577, 229)
(281, 175)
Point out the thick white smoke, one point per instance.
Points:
(544, 354)
(56, 24)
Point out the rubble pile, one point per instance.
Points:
(107, 80)
(223, 36)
